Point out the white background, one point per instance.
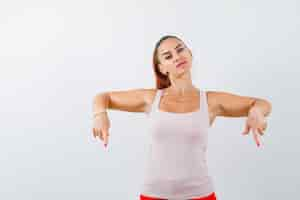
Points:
(55, 56)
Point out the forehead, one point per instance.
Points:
(169, 44)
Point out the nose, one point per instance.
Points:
(176, 57)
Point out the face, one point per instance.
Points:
(174, 57)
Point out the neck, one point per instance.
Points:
(181, 85)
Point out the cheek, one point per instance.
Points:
(188, 56)
(189, 59)
(171, 67)
(168, 63)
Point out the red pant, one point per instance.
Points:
(212, 196)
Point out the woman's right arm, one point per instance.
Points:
(133, 100)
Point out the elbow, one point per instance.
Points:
(100, 96)
(97, 97)
(265, 105)
(268, 106)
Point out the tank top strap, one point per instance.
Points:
(204, 105)
(154, 107)
(203, 102)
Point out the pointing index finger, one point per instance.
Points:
(256, 137)
(105, 137)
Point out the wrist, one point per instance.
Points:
(255, 109)
(99, 113)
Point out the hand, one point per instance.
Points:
(101, 126)
(257, 122)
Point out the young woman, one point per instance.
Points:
(180, 115)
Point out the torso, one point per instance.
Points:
(176, 165)
(184, 104)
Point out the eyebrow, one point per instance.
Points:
(167, 52)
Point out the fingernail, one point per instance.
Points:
(105, 145)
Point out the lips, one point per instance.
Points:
(180, 64)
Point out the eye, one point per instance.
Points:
(168, 57)
(180, 49)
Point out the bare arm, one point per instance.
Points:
(133, 100)
(231, 105)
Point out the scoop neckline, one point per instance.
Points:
(198, 110)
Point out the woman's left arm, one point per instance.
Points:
(256, 109)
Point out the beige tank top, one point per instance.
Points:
(176, 167)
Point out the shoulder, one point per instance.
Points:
(211, 95)
(212, 100)
(149, 94)
(217, 100)
(214, 97)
